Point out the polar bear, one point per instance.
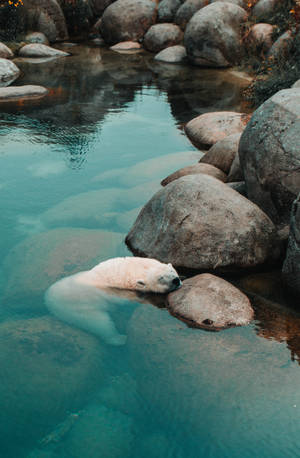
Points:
(85, 299)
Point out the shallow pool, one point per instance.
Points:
(75, 168)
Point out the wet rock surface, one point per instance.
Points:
(269, 155)
(210, 303)
(198, 222)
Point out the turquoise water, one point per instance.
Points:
(75, 169)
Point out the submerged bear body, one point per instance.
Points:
(85, 299)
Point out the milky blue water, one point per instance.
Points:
(75, 168)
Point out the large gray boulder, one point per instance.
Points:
(127, 20)
(291, 266)
(48, 369)
(209, 302)
(167, 10)
(213, 35)
(160, 36)
(198, 222)
(187, 10)
(269, 153)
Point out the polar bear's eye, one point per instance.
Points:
(161, 279)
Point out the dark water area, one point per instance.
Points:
(75, 169)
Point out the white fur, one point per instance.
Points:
(83, 299)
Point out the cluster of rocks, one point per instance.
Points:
(200, 221)
(37, 47)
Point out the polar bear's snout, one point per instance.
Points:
(176, 282)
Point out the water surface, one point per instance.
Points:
(75, 168)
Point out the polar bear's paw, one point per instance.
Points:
(117, 340)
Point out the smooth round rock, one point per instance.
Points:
(187, 10)
(8, 71)
(126, 46)
(223, 152)
(194, 170)
(5, 51)
(213, 35)
(209, 128)
(172, 55)
(37, 37)
(210, 303)
(198, 222)
(22, 92)
(125, 20)
(40, 50)
(259, 39)
(167, 9)
(160, 36)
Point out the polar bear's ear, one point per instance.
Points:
(140, 284)
(170, 265)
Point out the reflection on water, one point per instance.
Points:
(75, 169)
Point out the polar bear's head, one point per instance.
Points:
(159, 278)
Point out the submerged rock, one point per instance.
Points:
(210, 303)
(47, 369)
(100, 432)
(209, 128)
(160, 36)
(194, 170)
(223, 152)
(126, 20)
(198, 222)
(40, 50)
(22, 92)
(213, 35)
